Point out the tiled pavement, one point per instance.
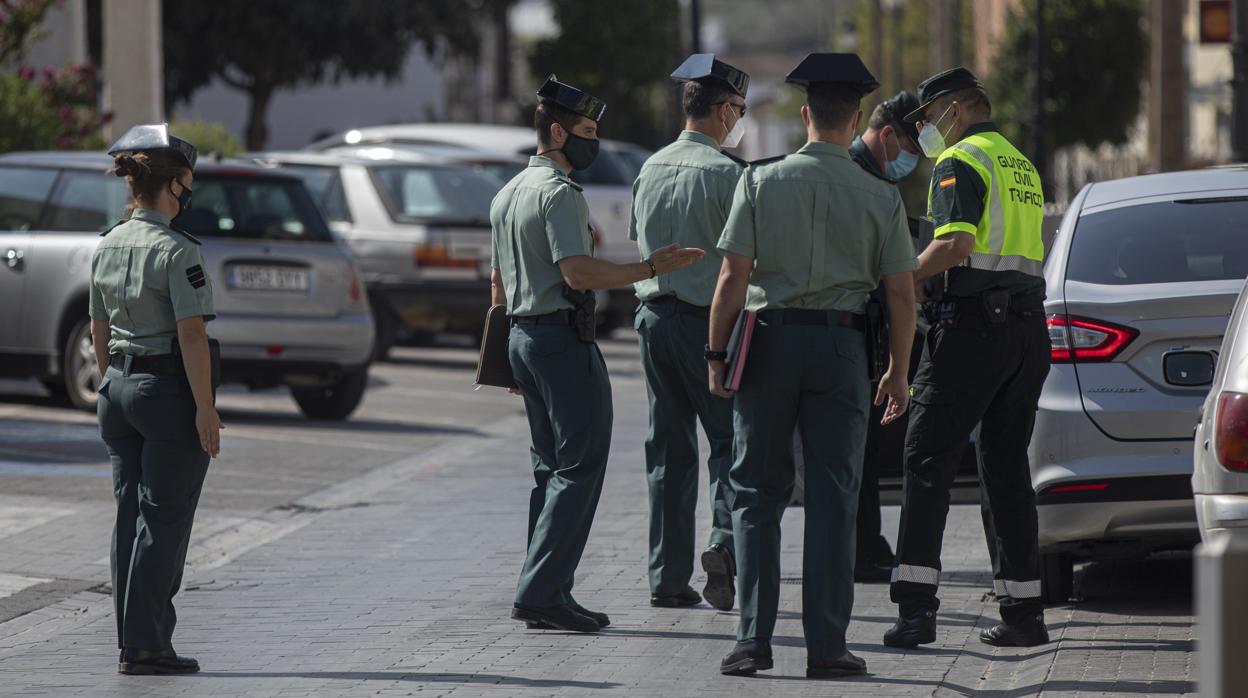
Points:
(399, 582)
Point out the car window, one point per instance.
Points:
(23, 193)
(416, 193)
(86, 201)
(608, 169)
(253, 208)
(325, 186)
(634, 158)
(1173, 241)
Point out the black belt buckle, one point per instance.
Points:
(996, 306)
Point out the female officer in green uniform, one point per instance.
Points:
(151, 295)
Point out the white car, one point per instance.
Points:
(1220, 468)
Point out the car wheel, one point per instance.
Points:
(81, 377)
(386, 327)
(1057, 577)
(333, 402)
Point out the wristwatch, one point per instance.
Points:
(653, 270)
(714, 355)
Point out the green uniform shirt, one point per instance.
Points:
(145, 278)
(683, 195)
(821, 231)
(539, 218)
(958, 195)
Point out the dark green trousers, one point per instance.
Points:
(567, 397)
(148, 424)
(673, 336)
(814, 377)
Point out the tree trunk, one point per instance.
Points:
(257, 130)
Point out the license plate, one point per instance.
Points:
(268, 278)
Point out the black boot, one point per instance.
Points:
(917, 628)
(747, 657)
(600, 618)
(155, 662)
(1028, 633)
(721, 573)
(847, 664)
(556, 617)
(680, 599)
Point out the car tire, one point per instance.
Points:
(80, 378)
(386, 329)
(1057, 577)
(334, 402)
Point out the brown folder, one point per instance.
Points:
(493, 365)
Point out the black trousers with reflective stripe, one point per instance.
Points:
(971, 374)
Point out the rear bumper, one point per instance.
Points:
(436, 306)
(343, 341)
(1219, 513)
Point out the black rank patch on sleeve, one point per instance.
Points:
(195, 275)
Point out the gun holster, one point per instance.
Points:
(877, 338)
(584, 313)
(996, 306)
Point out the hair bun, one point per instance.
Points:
(126, 165)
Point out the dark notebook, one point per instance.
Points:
(493, 366)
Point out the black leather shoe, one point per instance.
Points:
(721, 574)
(155, 662)
(557, 618)
(747, 657)
(918, 628)
(1029, 633)
(688, 597)
(600, 618)
(847, 664)
(868, 572)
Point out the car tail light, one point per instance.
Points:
(355, 290)
(1081, 487)
(440, 256)
(1076, 339)
(1231, 437)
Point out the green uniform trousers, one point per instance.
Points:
(148, 423)
(814, 377)
(567, 397)
(673, 337)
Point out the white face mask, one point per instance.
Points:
(931, 140)
(733, 139)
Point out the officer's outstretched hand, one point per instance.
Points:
(674, 257)
(208, 424)
(896, 390)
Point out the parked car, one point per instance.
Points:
(1141, 279)
(504, 166)
(608, 182)
(291, 308)
(1220, 470)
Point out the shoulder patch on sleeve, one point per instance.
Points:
(947, 182)
(195, 276)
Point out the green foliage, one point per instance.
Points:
(209, 137)
(622, 53)
(27, 120)
(261, 47)
(54, 109)
(1097, 54)
(19, 26)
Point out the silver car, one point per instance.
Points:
(1220, 469)
(291, 308)
(1141, 280)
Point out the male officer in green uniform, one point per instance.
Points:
(542, 271)
(809, 236)
(987, 358)
(683, 195)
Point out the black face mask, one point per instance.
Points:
(184, 199)
(580, 152)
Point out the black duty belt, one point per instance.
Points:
(162, 364)
(679, 306)
(803, 316)
(559, 317)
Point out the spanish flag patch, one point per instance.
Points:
(948, 182)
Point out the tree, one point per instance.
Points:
(20, 22)
(622, 53)
(1096, 55)
(262, 47)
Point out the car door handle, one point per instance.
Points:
(15, 259)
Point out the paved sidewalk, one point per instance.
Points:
(399, 582)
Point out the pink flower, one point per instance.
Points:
(26, 73)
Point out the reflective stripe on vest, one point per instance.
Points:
(1008, 236)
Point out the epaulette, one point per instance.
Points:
(865, 167)
(110, 228)
(882, 178)
(768, 161)
(185, 234)
(568, 181)
(740, 161)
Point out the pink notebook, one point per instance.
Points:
(739, 348)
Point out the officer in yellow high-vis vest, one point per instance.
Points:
(986, 359)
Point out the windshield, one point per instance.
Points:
(424, 194)
(1168, 242)
(253, 208)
